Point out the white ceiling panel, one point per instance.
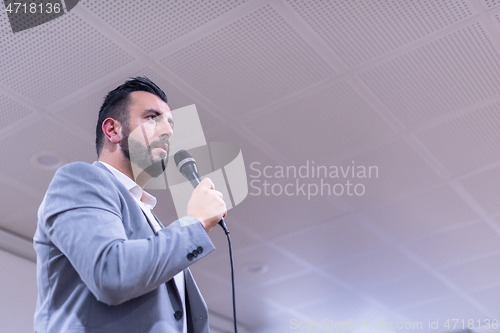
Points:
(475, 274)
(489, 4)
(420, 214)
(166, 20)
(44, 136)
(484, 187)
(371, 269)
(490, 298)
(452, 246)
(444, 310)
(254, 265)
(331, 241)
(387, 25)
(242, 66)
(333, 120)
(344, 307)
(396, 169)
(452, 72)
(63, 56)
(300, 289)
(11, 111)
(466, 142)
(409, 290)
(178, 99)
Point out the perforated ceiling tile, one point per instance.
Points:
(359, 31)
(70, 55)
(178, 99)
(475, 274)
(274, 265)
(249, 63)
(441, 311)
(152, 24)
(490, 297)
(331, 241)
(488, 4)
(420, 214)
(290, 293)
(410, 290)
(42, 137)
(484, 189)
(382, 174)
(448, 74)
(467, 142)
(456, 245)
(375, 268)
(11, 111)
(331, 121)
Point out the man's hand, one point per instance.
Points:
(206, 204)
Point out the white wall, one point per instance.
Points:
(17, 293)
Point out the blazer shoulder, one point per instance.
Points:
(82, 170)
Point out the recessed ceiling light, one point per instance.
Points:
(255, 268)
(47, 160)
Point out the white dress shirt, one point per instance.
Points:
(147, 202)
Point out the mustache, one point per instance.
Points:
(159, 143)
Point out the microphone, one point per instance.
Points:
(186, 165)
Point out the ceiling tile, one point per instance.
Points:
(44, 136)
(331, 241)
(475, 274)
(11, 111)
(68, 49)
(409, 290)
(489, 297)
(438, 78)
(332, 120)
(387, 25)
(483, 187)
(274, 265)
(423, 213)
(382, 174)
(166, 20)
(246, 64)
(457, 244)
(443, 310)
(299, 289)
(371, 269)
(466, 142)
(344, 308)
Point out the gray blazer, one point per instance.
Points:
(102, 268)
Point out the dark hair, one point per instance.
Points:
(116, 103)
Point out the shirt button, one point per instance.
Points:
(178, 314)
(190, 256)
(200, 250)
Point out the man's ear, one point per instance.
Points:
(112, 130)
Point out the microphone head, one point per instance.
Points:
(181, 155)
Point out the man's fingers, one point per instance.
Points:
(207, 182)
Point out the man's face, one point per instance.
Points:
(146, 138)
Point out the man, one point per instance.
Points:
(105, 263)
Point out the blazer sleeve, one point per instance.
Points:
(81, 215)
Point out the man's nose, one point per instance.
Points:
(164, 128)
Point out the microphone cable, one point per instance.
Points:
(222, 223)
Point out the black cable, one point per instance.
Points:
(226, 231)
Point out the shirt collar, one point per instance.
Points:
(132, 186)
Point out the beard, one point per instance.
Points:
(140, 155)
